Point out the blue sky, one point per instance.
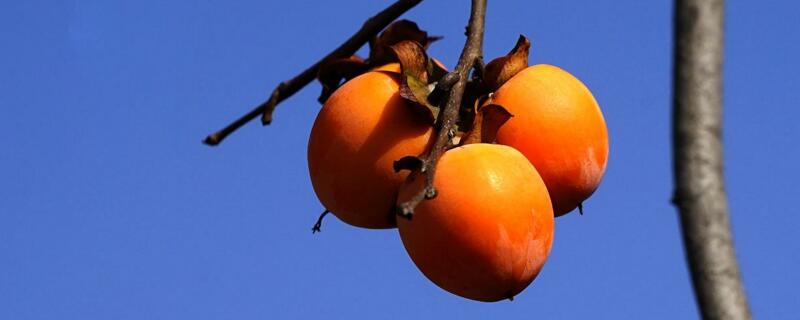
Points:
(110, 208)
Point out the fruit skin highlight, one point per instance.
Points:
(489, 230)
(559, 127)
(361, 130)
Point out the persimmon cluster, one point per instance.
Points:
(531, 145)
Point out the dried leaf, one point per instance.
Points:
(493, 117)
(473, 97)
(414, 85)
(332, 74)
(398, 31)
(413, 59)
(487, 122)
(499, 70)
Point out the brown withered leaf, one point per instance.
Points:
(493, 117)
(413, 59)
(474, 96)
(487, 122)
(396, 32)
(499, 70)
(332, 74)
(414, 85)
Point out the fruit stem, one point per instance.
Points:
(471, 57)
(286, 89)
(318, 226)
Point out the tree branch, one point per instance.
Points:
(288, 88)
(698, 160)
(469, 58)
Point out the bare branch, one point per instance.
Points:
(469, 58)
(288, 88)
(698, 160)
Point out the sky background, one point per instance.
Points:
(111, 208)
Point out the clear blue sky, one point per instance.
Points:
(110, 208)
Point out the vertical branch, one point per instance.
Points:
(700, 190)
(470, 56)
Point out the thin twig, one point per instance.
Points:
(469, 58)
(698, 160)
(288, 88)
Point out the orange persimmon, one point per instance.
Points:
(559, 127)
(489, 230)
(363, 127)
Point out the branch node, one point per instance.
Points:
(447, 81)
(274, 98)
(406, 211)
(424, 168)
(430, 192)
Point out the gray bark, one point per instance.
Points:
(698, 161)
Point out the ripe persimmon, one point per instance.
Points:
(395, 66)
(389, 67)
(362, 128)
(487, 233)
(559, 127)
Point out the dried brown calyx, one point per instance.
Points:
(480, 121)
(420, 75)
(334, 73)
(499, 70)
(487, 121)
(399, 31)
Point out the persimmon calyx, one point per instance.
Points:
(420, 76)
(488, 120)
(332, 74)
(499, 70)
(398, 31)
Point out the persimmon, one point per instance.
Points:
(489, 230)
(559, 127)
(395, 67)
(389, 67)
(362, 128)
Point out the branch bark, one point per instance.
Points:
(288, 88)
(471, 57)
(698, 161)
